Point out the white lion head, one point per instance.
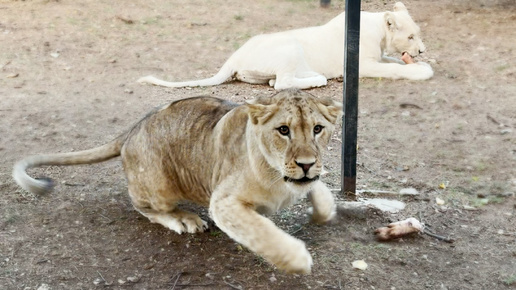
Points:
(403, 34)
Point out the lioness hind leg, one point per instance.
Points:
(164, 211)
(177, 220)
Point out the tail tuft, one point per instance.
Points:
(47, 185)
(38, 186)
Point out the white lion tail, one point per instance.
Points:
(223, 75)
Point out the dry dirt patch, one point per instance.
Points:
(67, 82)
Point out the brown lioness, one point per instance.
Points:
(240, 160)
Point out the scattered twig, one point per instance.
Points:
(102, 277)
(110, 221)
(509, 234)
(6, 64)
(198, 23)
(427, 232)
(74, 184)
(297, 230)
(77, 276)
(444, 239)
(493, 120)
(125, 20)
(233, 286)
(175, 282)
(409, 105)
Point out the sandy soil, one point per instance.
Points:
(68, 72)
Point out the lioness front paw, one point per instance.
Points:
(323, 216)
(324, 208)
(296, 259)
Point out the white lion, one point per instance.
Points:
(308, 57)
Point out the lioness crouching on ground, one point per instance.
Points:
(240, 160)
(307, 57)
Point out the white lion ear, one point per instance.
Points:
(260, 114)
(398, 6)
(390, 21)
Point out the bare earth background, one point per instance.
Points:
(68, 72)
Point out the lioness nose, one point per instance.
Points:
(305, 166)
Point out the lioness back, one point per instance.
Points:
(177, 140)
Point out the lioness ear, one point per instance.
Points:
(398, 6)
(390, 21)
(260, 114)
(331, 110)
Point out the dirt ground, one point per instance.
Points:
(68, 72)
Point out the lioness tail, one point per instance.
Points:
(224, 73)
(41, 186)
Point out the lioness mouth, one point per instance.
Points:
(301, 180)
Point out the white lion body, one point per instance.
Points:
(307, 57)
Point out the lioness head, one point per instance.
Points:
(403, 34)
(291, 128)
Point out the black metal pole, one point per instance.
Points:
(349, 120)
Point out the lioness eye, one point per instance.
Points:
(318, 129)
(284, 130)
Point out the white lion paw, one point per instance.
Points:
(421, 71)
